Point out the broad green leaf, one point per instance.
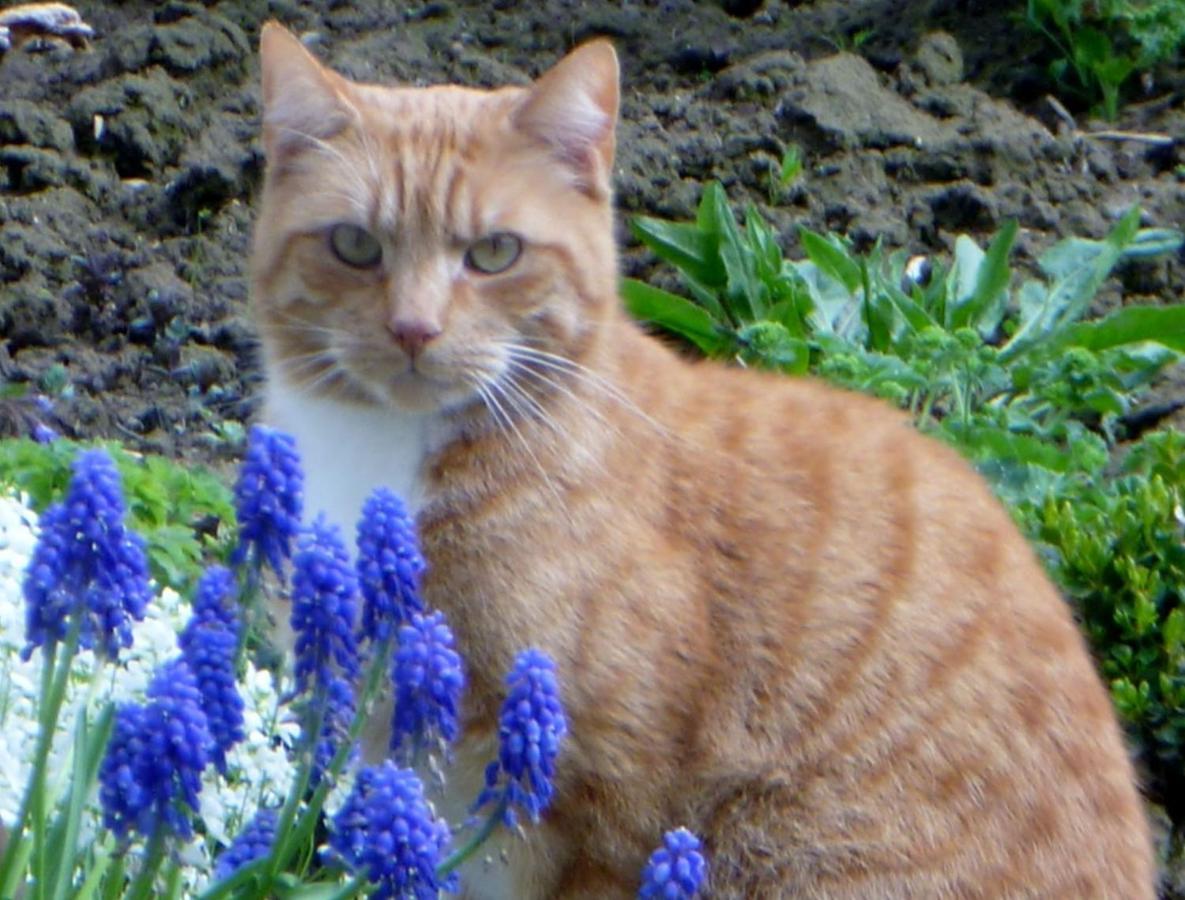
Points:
(790, 316)
(651, 304)
(743, 290)
(708, 299)
(683, 245)
(834, 309)
(831, 259)
(984, 307)
(878, 313)
(912, 312)
(1152, 242)
(1133, 324)
(962, 278)
(1079, 268)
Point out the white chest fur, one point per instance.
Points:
(348, 451)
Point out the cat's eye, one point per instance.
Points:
(355, 246)
(494, 253)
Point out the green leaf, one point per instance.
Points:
(684, 245)
(651, 304)
(985, 306)
(878, 313)
(984, 442)
(1079, 268)
(1130, 325)
(1092, 48)
(791, 165)
(832, 260)
(743, 290)
(1153, 242)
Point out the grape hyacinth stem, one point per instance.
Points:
(89, 743)
(458, 857)
(142, 886)
(55, 672)
(296, 825)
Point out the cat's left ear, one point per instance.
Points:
(572, 109)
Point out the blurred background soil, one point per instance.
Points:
(128, 169)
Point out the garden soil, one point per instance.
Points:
(129, 169)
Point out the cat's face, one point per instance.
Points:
(417, 246)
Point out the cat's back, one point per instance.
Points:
(891, 657)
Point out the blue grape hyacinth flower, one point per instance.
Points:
(151, 774)
(428, 680)
(214, 597)
(531, 727)
(388, 833)
(252, 843)
(87, 563)
(209, 647)
(676, 870)
(324, 607)
(389, 565)
(268, 498)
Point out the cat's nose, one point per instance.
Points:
(412, 335)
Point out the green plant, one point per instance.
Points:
(1014, 378)
(785, 173)
(1102, 42)
(1117, 547)
(183, 512)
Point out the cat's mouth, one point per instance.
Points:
(423, 389)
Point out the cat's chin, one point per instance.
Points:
(414, 393)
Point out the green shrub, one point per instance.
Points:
(183, 512)
(1103, 42)
(1014, 378)
(1117, 547)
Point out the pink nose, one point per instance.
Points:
(412, 335)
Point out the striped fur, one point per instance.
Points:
(783, 619)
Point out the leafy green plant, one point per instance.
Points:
(1015, 378)
(1102, 42)
(785, 173)
(1117, 547)
(180, 510)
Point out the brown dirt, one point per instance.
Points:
(127, 171)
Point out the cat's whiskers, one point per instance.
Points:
(486, 390)
(519, 367)
(511, 383)
(309, 375)
(562, 364)
(529, 405)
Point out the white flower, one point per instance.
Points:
(258, 768)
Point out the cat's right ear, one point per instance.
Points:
(303, 102)
(572, 109)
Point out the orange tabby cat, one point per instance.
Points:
(782, 618)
